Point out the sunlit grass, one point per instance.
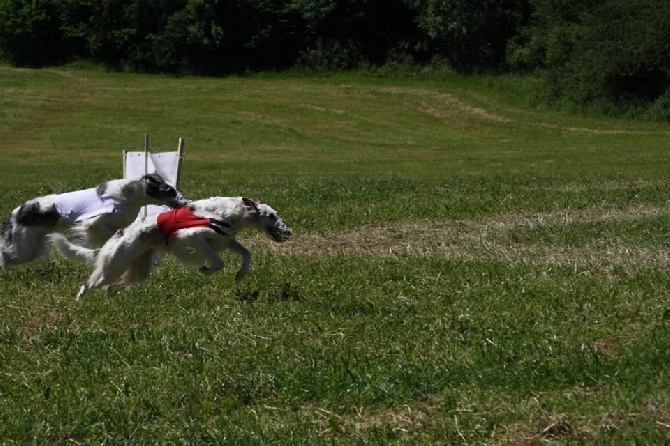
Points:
(465, 269)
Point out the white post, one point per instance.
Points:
(180, 157)
(146, 164)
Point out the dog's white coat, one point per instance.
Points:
(127, 258)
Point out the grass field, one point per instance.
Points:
(466, 268)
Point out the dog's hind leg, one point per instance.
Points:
(97, 278)
(119, 255)
(21, 243)
(138, 271)
(33, 221)
(105, 273)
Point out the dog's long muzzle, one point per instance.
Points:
(178, 202)
(280, 234)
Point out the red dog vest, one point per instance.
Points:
(172, 221)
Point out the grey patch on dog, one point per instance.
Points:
(101, 189)
(150, 232)
(127, 191)
(6, 231)
(157, 187)
(31, 214)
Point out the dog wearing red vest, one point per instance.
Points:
(194, 234)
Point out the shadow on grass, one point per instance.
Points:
(287, 292)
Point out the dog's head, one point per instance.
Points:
(162, 191)
(268, 220)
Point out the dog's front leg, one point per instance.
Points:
(237, 247)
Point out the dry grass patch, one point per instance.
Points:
(449, 100)
(492, 240)
(554, 426)
(452, 103)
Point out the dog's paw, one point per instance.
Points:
(205, 269)
(82, 291)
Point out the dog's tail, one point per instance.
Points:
(73, 252)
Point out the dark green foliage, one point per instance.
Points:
(626, 47)
(605, 55)
(216, 37)
(223, 37)
(29, 33)
(601, 53)
(351, 33)
(473, 35)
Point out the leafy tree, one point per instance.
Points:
(222, 36)
(548, 40)
(108, 28)
(114, 32)
(609, 53)
(30, 32)
(473, 35)
(345, 34)
(625, 50)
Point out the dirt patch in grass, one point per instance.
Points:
(409, 419)
(490, 240)
(549, 430)
(449, 100)
(584, 426)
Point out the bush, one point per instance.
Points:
(605, 54)
(473, 36)
(660, 109)
(30, 34)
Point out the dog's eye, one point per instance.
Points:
(170, 192)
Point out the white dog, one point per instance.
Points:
(193, 234)
(91, 215)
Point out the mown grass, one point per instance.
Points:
(466, 269)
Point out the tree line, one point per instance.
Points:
(589, 51)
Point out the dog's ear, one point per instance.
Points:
(251, 205)
(153, 178)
